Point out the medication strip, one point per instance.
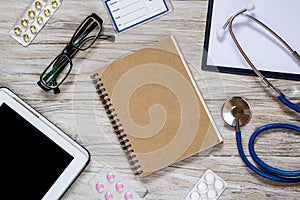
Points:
(209, 187)
(108, 185)
(33, 20)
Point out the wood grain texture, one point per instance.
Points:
(78, 111)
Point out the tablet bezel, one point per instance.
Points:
(81, 156)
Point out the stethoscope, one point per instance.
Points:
(236, 111)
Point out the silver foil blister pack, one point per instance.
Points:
(33, 20)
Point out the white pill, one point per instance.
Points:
(211, 193)
(209, 177)
(195, 196)
(202, 187)
(219, 184)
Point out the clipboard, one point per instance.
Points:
(267, 54)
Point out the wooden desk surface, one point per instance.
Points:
(77, 110)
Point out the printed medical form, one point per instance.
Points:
(128, 13)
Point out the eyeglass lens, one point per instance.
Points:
(57, 71)
(86, 34)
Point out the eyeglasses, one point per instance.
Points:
(86, 34)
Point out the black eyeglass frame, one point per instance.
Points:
(65, 57)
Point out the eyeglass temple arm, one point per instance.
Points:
(110, 38)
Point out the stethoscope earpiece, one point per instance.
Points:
(250, 7)
(220, 34)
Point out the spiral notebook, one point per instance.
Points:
(155, 107)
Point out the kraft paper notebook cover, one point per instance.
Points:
(155, 107)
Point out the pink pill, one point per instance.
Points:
(99, 187)
(119, 187)
(110, 177)
(108, 196)
(128, 196)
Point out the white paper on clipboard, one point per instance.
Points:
(130, 13)
(263, 49)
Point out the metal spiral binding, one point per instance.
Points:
(117, 126)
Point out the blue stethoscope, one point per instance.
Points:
(236, 111)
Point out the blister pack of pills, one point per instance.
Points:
(209, 187)
(108, 185)
(33, 20)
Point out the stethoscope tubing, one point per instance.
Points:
(262, 164)
(288, 103)
(266, 170)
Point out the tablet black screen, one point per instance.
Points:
(31, 162)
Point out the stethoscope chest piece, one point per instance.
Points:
(236, 108)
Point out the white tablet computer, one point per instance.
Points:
(38, 159)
